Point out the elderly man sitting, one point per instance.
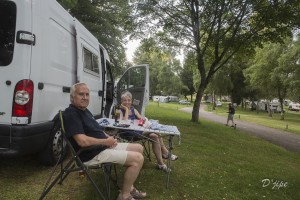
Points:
(84, 131)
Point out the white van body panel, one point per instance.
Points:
(53, 64)
(85, 40)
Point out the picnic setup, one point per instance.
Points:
(146, 126)
(120, 134)
(115, 127)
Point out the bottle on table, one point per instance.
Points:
(117, 113)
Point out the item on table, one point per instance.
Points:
(141, 122)
(117, 113)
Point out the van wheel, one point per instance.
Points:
(52, 152)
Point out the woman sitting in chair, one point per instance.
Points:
(158, 147)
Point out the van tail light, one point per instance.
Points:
(23, 99)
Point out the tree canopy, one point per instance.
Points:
(275, 70)
(217, 29)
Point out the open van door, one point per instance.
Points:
(107, 81)
(135, 80)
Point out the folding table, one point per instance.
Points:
(160, 129)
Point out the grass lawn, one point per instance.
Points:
(291, 122)
(214, 163)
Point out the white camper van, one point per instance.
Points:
(43, 52)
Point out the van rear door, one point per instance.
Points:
(89, 68)
(14, 56)
(135, 80)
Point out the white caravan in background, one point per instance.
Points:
(294, 106)
(43, 52)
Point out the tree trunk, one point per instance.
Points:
(281, 112)
(196, 107)
(243, 103)
(214, 101)
(281, 115)
(194, 9)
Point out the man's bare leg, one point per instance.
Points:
(135, 147)
(133, 164)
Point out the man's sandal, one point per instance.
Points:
(166, 156)
(136, 194)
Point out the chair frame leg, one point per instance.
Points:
(67, 169)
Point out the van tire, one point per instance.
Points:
(51, 154)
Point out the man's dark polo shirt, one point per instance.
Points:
(82, 122)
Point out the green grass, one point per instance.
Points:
(214, 163)
(291, 122)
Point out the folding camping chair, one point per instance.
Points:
(76, 165)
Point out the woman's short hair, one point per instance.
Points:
(126, 94)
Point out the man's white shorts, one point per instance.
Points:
(118, 154)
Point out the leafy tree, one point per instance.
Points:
(217, 29)
(290, 59)
(276, 70)
(186, 75)
(163, 66)
(67, 3)
(220, 85)
(149, 53)
(235, 68)
(230, 80)
(238, 90)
